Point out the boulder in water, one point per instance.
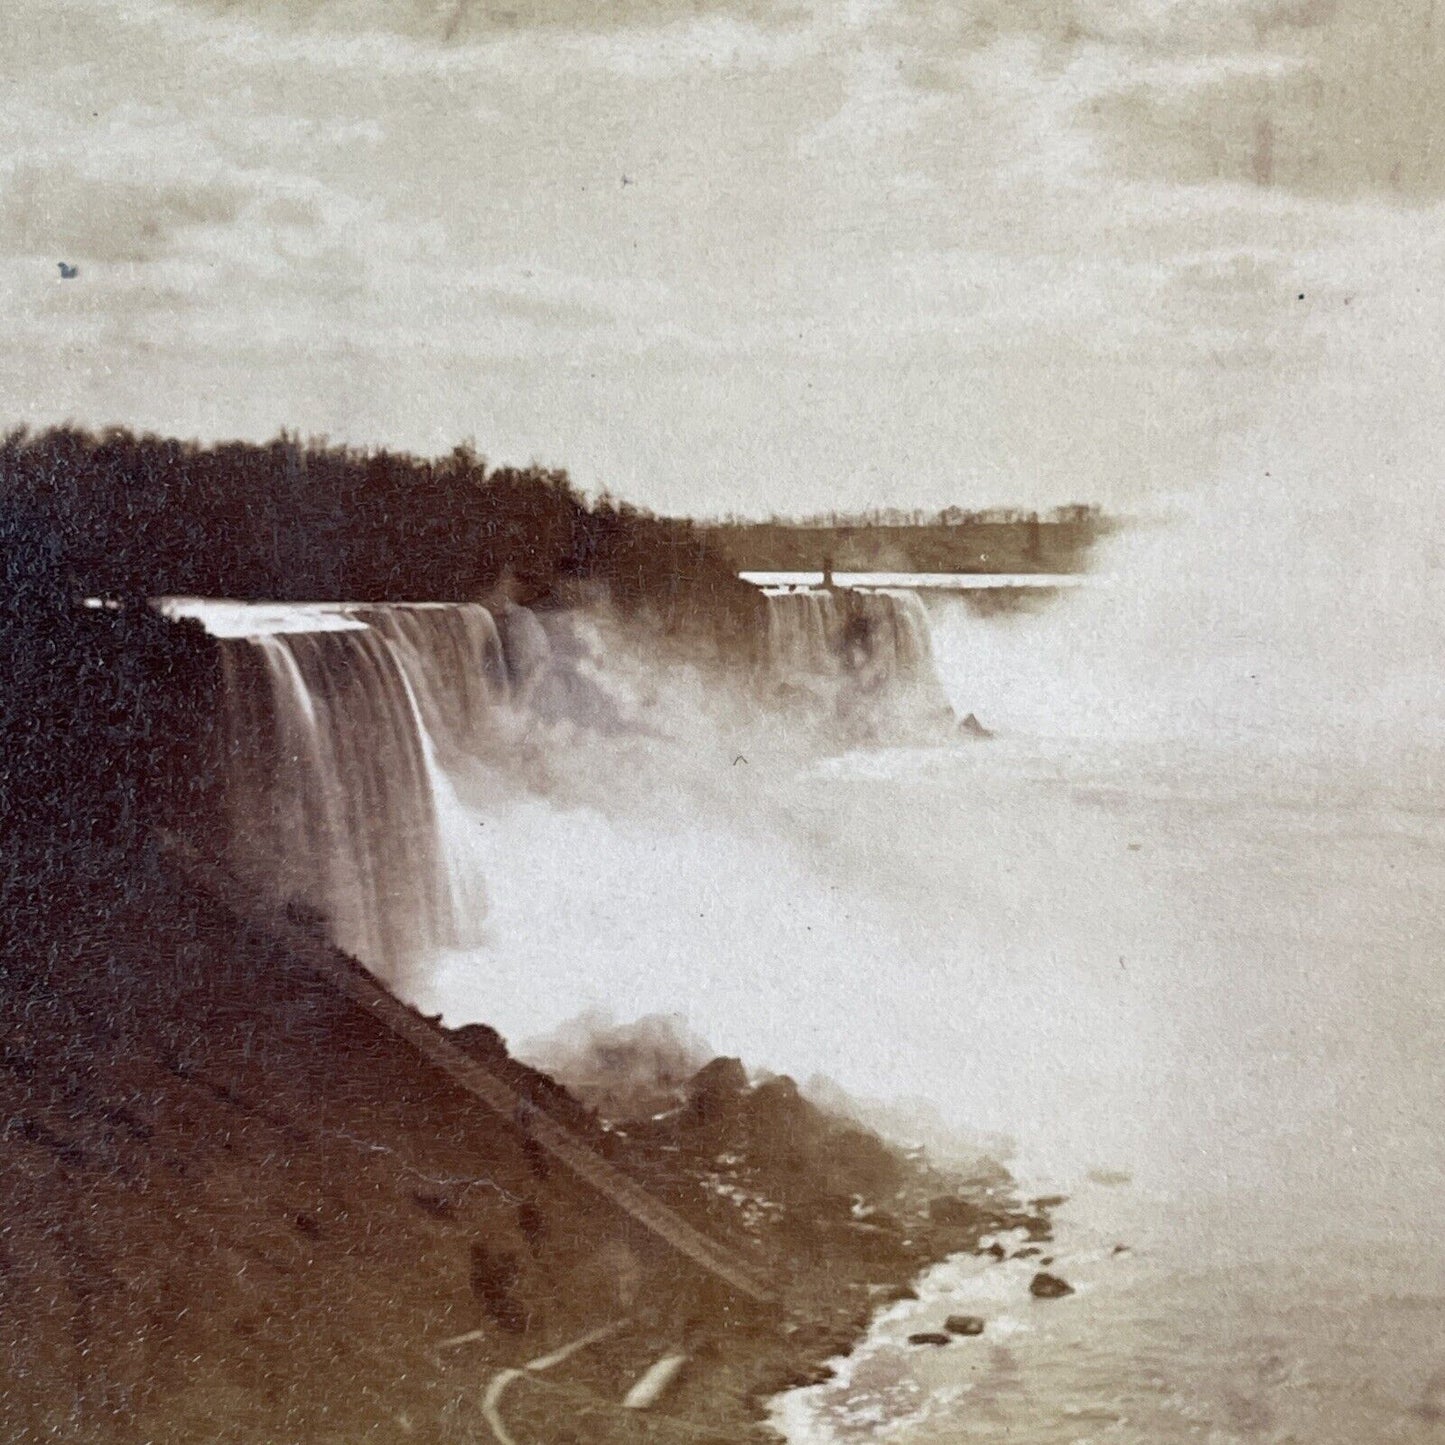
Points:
(893, 1294)
(930, 1337)
(1049, 1286)
(964, 1324)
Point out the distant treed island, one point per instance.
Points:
(953, 540)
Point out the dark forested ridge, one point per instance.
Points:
(119, 515)
(116, 514)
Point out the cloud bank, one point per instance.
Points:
(716, 256)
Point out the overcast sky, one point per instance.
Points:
(719, 255)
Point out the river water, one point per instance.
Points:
(1213, 970)
(1251, 1031)
(1203, 961)
(1201, 1331)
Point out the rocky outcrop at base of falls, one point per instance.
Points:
(820, 1196)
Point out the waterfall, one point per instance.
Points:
(898, 634)
(336, 723)
(343, 727)
(803, 633)
(454, 660)
(869, 652)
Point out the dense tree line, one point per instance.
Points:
(120, 515)
(1070, 514)
(103, 708)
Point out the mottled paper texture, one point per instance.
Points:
(721, 721)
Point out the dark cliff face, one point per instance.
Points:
(104, 725)
(232, 1197)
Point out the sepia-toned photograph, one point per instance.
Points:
(722, 722)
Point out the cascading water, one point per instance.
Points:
(863, 649)
(897, 626)
(344, 725)
(803, 633)
(333, 729)
(453, 658)
(815, 632)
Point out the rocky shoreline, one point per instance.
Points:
(845, 1222)
(736, 1364)
(240, 1210)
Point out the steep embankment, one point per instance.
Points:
(239, 1208)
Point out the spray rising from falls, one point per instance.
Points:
(345, 731)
